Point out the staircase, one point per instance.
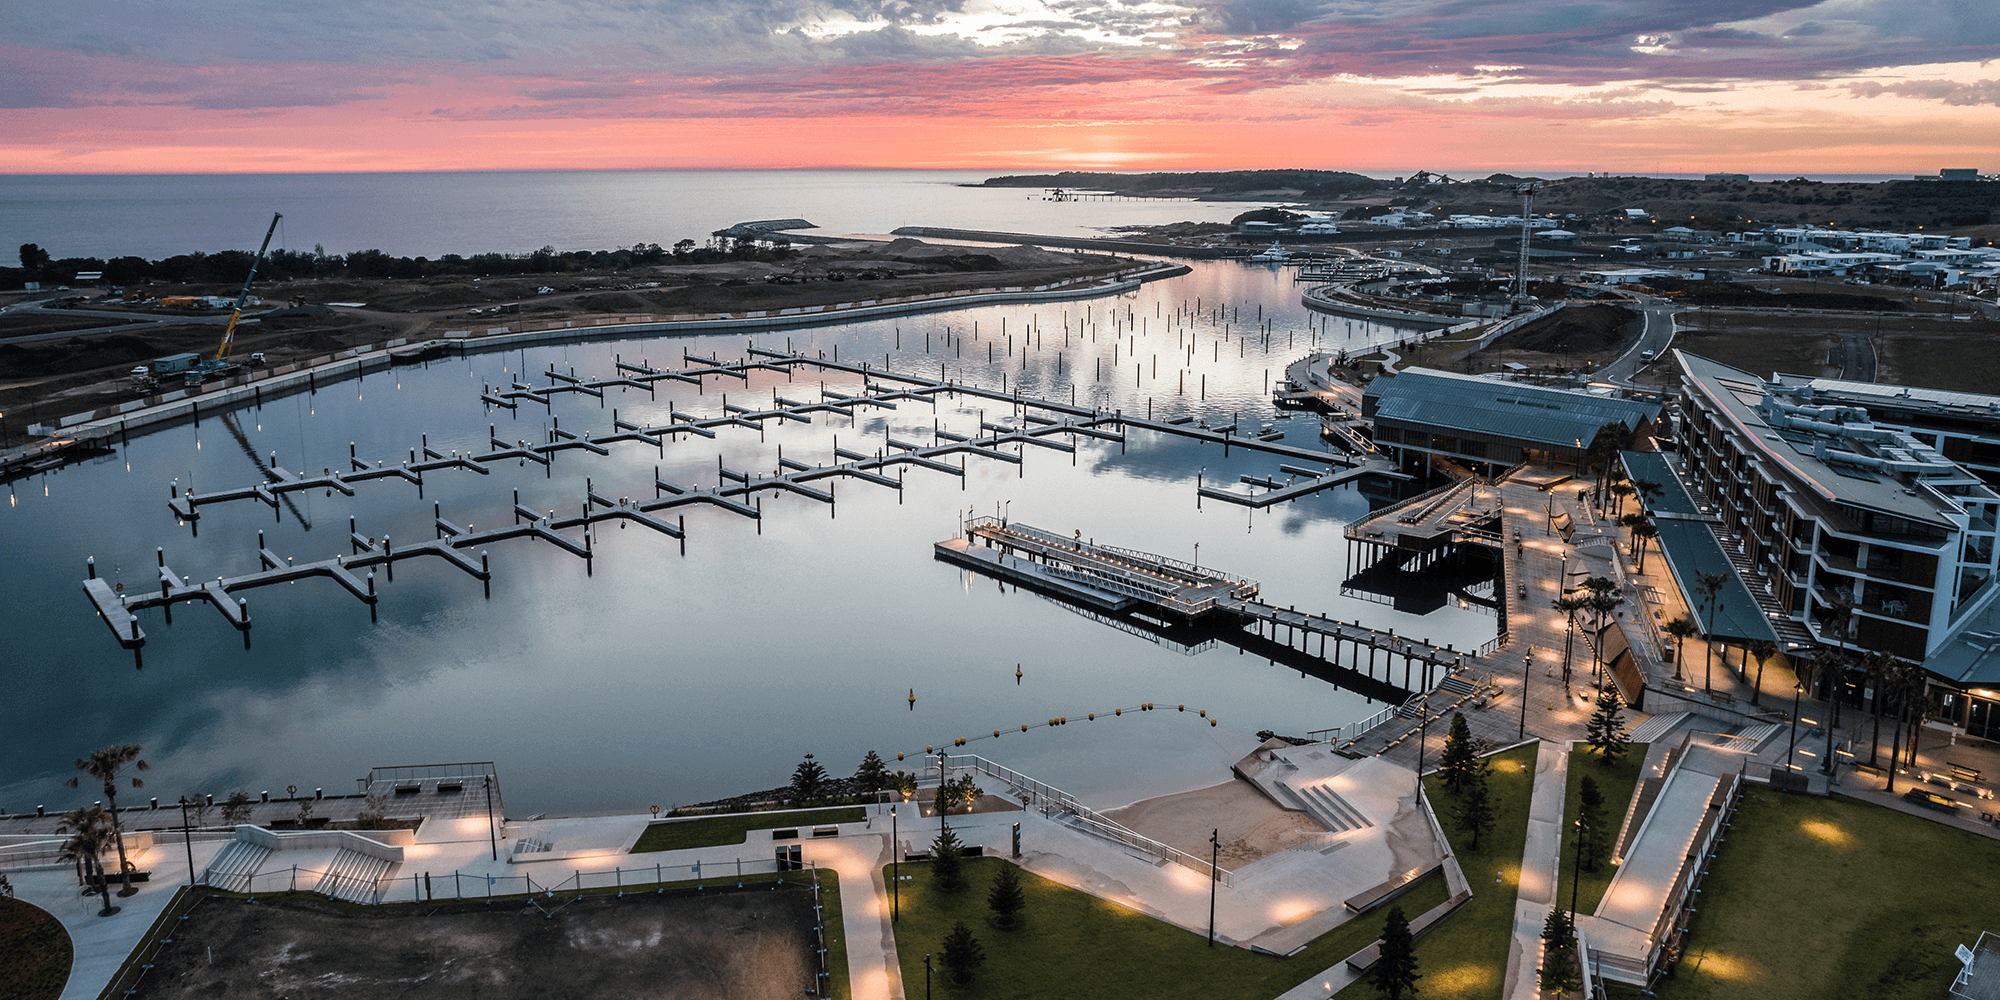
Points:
(1660, 725)
(1326, 806)
(353, 876)
(232, 869)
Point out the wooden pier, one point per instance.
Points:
(1124, 580)
(1036, 423)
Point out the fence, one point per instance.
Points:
(1356, 728)
(478, 888)
(1056, 803)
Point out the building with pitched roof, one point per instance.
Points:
(1422, 413)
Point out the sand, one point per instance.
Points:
(1251, 826)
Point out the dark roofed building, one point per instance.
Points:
(1490, 423)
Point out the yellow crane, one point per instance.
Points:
(236, 313)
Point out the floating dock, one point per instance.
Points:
(1124, 580)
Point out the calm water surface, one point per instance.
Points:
(662, 678)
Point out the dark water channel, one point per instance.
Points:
(657, 677)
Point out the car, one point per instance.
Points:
(1647, 357)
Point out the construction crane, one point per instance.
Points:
(236, 313)
(1527, 192)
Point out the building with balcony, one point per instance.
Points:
(1864, 533)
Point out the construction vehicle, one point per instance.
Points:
(220, 364)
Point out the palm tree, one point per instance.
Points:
(1710, 589)
(88, 839)
(1878, 666)
(1647, 489)
(106, 764)
(1621, 491)
(1570, 605)
(1641, 532)
(1898, 680)
(1762, 649)
(1682, 630)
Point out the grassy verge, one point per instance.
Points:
(1074, 945)
(1617, 783)
(1813, 898)
(35, 952)
(836, 937)
(1466, 956)
(717, 831)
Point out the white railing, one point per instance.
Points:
(1054, 803)
(1356, 729)
(1490, 646)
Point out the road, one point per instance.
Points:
(132, 322)
(1657, 336)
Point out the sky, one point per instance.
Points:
(1628, 86)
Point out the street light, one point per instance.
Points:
(1797, 689)
(1214, 856)
(895, 876)
(1527, 669)
(927, 976)
(492, 834)
(1576, 870)
(187, 837)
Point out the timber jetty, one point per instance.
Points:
(880, 462)
(1121, 580)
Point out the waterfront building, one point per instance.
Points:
(1861, 531)
(1422, 414)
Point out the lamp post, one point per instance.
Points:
(895, 876)
(492, 833)
(187, 838)
(1576, 870)
(927, 976)
(1214, 856)
(1527, 670)
(1797, 689)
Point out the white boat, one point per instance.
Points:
(1275, 255)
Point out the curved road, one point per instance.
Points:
(1657, 336)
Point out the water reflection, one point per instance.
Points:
(658, 677)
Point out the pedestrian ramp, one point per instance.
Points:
(235, 865)
(353, 876)
(1660, 725)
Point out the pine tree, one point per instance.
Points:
(1475, 810)
(962, 954)
(1395, 973)
(1461, 764)
(872, 776)
(1560, 972)
(1591, 810)
(1606, 731)
(808, 781)
(1006, 899)
(947, 867)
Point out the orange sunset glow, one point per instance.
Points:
(1840, 86)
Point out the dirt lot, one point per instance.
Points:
(713, 946)
(1927, 351)
(54, 378)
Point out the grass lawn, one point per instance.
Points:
(1466, 956)
(34, 952)
(717, 831)
(1617, 784)
(1074, 945)
(1835, 898)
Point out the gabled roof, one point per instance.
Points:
(1532, 413)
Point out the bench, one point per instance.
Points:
(1963, 773)
(96, 884)
(1930, 800)
(1364, 901)
(1866, 768)
(1362, 960)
